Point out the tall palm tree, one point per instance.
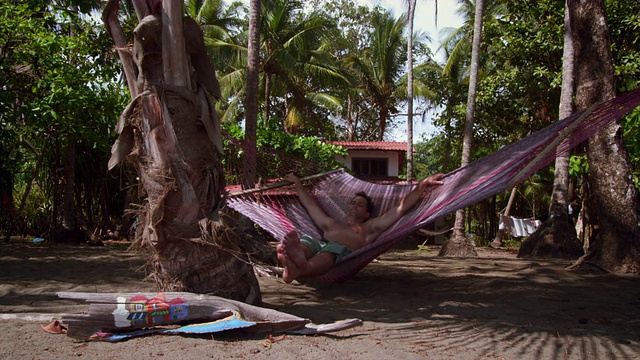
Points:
(458, 41)
(380, 67)
(224, 27)
(297, 67)
(458, 244)
(557, 232)
(251, 102)
(190, 240)
(410, 15)
(411, 5)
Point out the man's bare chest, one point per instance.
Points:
(354, 237)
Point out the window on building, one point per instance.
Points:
(370, 166)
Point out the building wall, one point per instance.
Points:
(392, 156)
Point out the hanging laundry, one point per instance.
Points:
(518, 227)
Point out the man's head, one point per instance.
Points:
(361, 206)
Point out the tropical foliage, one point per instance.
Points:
(59, 87)
(332, 70)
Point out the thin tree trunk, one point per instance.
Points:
(458, 244)
(69, 223)
(350, 127)
(68, 196)
(411, 12)
(7, 206)
(55, 208)
(497, 241)
(267, 93)
(557, 237)
(559, 199)
(251, 102)
(382, 126)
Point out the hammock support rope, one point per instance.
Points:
(281, 184)
(463, 187)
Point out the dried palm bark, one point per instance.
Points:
(171, 131)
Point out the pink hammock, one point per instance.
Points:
(465, 186)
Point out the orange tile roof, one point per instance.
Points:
(371, 145)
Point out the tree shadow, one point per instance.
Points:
(530, 307)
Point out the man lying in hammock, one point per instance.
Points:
(304, 256)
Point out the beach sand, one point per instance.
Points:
(413, 304)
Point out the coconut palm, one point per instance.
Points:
(411, 5)
(223, 26)
(457, 41)
(410, 15)
(614, 201)
(225, 39)
(251, 100)
(191, 240)
(558, 232)
(380, 67)
(458, 244)
(297, 68)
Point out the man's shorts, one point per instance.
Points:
(318, 246)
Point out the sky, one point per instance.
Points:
(425, 20)
(425, 15)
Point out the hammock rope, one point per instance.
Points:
(491, 175)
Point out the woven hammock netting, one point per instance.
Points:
(278, 211)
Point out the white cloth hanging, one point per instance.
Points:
(518, 227)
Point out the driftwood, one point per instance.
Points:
(119, 316)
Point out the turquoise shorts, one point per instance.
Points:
(318, 246)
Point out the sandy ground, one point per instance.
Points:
(414, 306)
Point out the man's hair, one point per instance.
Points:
(363, 195)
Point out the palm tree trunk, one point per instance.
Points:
(267, 94)
(459, 245)
(191, 243)
(559, 200)
(350, 122)
(411, 13)
(251, 102)
(617, 243)
(382, 126)
(557, 237)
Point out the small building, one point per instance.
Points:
(374, 160)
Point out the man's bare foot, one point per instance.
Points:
(294, 249)
(291, 255)
(291, 271)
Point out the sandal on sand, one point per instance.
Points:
(54, 327)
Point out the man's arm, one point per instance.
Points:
(319, 217)
(384, 221)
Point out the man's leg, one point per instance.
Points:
(299, 261)
(319, 264)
